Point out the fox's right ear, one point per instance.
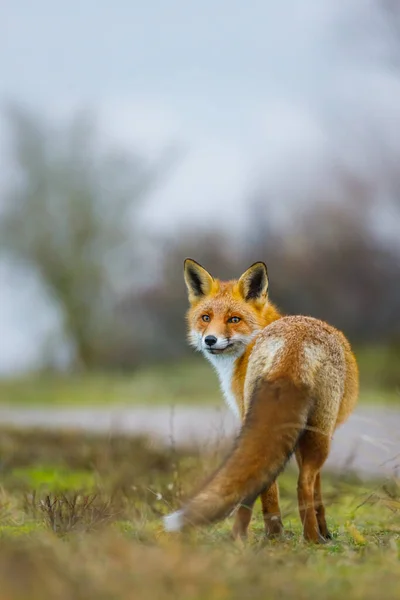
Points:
(253, 284)
(198, 280)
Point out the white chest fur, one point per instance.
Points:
(224, 365)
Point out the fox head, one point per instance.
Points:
(224, 316)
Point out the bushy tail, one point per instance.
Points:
(275, 420)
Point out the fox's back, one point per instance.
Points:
(309, 352)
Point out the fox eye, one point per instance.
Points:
(234, 320)
(205, 318)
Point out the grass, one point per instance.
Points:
(187, 382)
(80, 517)
(190, 382)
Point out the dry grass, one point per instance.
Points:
(80, 518)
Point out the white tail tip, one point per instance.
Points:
(174, 521)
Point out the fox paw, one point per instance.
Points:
(274, 528)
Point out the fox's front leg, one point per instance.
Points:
(271, 511)
(242, 521)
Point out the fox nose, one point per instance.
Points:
(210, 340)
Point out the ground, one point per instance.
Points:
(81, 511)
(81, 518)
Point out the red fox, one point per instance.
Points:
(291, 379)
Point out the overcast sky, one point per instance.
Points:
(258, 89)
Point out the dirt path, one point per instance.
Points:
(369, 442)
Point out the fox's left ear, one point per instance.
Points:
(198, 281)
(253, 284)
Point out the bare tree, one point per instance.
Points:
(331, 263)
(70, 216)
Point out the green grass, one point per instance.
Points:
(187, 382)
(55, 478)
(379, 367)
(80, 517)
(190, 382)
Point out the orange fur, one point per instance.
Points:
(292, 380)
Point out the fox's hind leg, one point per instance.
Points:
(320, 509)
(271, 511)
(311, 453)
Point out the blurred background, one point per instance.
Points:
(133, 135)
